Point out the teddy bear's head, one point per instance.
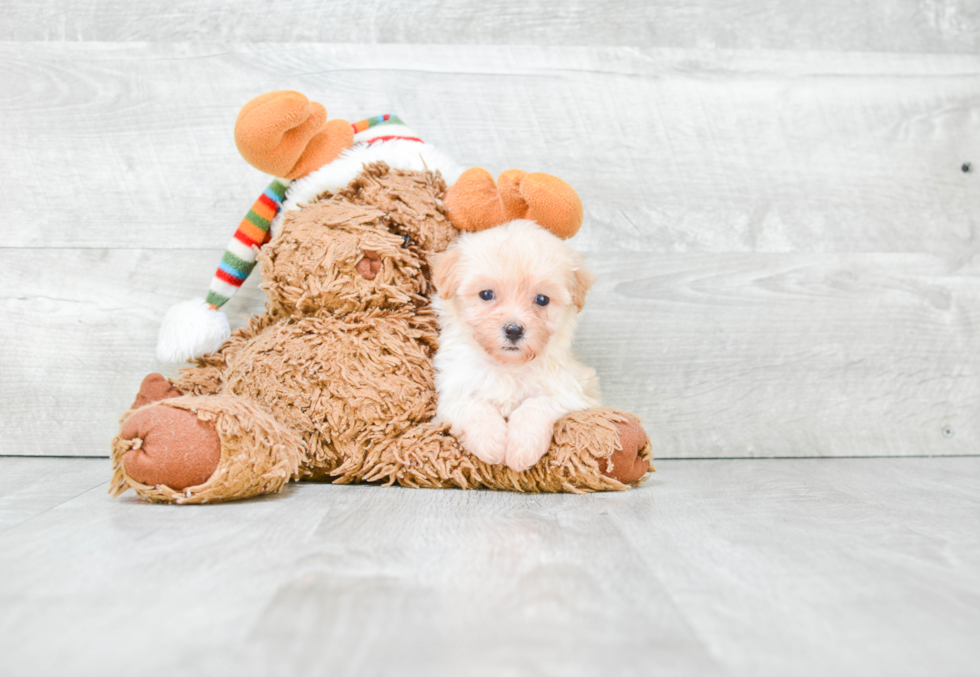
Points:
(412, 200)
(337, 257)
(363, 248)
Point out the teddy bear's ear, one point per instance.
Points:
(444, 272)
(582, 281)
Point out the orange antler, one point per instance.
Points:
(475, 202)
(285, 134)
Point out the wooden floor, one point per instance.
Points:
(717, 567)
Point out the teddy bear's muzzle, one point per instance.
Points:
(369, 266)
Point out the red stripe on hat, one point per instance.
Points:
(248, 241)
(265, 200)
(225, 277)
(389, 138)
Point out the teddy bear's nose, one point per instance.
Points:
(369, 266)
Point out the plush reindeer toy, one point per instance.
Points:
(334, 381)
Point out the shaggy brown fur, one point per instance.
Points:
(258, 454)
(412, 201)
(335, 380)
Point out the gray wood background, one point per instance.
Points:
(775, 202)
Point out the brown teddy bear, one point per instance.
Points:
(335, 380)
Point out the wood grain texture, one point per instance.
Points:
(721, 354)
(786, 241)
(671, 150)
(77, 343)
(834, 25)
(734, 568)
(790, 355)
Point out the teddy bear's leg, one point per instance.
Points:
(632, 460)
(595, 450)
(199, 449)
(174, 447)
(205, 379)
(155, 387)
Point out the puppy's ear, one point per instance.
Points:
(444, 275)
(582, 281)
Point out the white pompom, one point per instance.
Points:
(191, 329)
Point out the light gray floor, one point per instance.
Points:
(720, 567)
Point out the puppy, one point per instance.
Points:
(507, 302)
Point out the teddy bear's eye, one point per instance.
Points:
(542, 300)
(486, 295)
(406, 240)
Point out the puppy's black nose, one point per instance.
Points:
(514, 332)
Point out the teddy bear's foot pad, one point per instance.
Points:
(170, 446)
(626, 464)
(155, 387)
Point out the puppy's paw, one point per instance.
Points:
(528, 439)
(485, 438)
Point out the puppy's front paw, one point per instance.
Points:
(527, 441)
(484, 438)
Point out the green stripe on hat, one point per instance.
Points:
(243, 267)
(257, 221)
(216, 300)
(279, 188)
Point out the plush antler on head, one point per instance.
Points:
(475, 202)
(285, 134)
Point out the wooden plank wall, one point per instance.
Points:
(775, 202)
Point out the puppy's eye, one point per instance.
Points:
(486, 295)
(406, 240)
(542, 300)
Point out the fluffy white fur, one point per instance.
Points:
(191, 329)
(502, 397)
(399, 154)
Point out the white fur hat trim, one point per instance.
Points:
(191, 329)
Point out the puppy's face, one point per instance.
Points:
(512, 288)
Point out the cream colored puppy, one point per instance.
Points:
(507, 302)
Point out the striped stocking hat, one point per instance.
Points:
(382, 128)
(253, 232)
(196, 327)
